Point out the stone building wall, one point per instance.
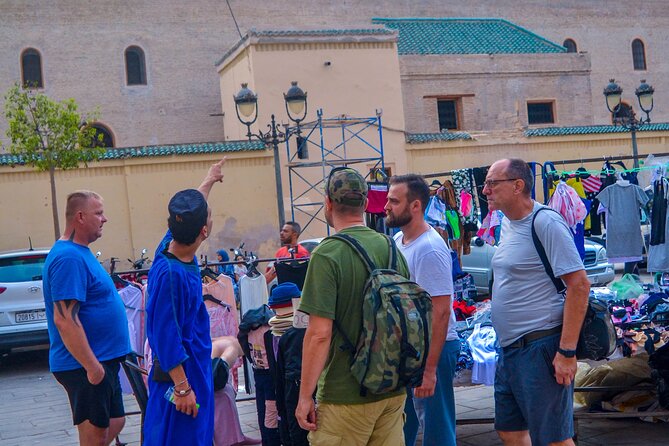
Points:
(82, 45)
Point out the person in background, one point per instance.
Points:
(537, 327)
(88, 328)
(178, 326)
(289, 234)
(430, 265)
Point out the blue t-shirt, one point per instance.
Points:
(72, 272)
(177, 325)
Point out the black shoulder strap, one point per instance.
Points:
(357, 247)
(559, 284)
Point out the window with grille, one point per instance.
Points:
(31, 69)
(639, 54)
(448, 114)
(540, 113)
(135, 66)
(570, 45)
(107, 138)
(622, 114)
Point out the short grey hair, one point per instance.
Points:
(518, 168)
(77, 200)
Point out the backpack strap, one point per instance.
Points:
(357, 247)
(559, 284)
(371, 266)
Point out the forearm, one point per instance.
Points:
(315, 348)
(575, 306)
(441, 314)
(206, 186)
(178, 376)
(75, 340)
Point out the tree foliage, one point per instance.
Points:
(50, 135)
(47, 134)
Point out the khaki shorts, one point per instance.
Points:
(373, 424)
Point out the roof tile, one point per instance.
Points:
(466, 36)
(162, 150)
(420, 138)
(592, 129)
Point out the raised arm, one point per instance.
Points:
(215, 175)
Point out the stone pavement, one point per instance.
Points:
(35, 411)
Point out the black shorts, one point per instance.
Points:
(98, 403)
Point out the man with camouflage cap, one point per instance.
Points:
(332, 294)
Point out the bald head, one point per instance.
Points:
(517, 168)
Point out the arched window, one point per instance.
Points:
(570, 45)
(622, 114)
(31, 69)
(107, 138)
(135, 67)
(639, 54)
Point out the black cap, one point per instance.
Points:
(188, 210)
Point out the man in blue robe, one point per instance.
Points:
(178, 326)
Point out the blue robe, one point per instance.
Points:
(177, 325)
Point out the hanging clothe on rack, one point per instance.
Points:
(623, 236)
(658, 253)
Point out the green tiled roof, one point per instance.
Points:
(419, 138)
(466, 36)
(592, 129)
(162, 150)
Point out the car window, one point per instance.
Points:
(22, 268)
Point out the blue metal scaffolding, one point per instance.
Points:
(350, 135)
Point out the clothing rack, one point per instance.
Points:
(207, 264)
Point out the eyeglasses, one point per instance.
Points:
(492, 183)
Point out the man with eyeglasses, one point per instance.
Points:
(537, 327)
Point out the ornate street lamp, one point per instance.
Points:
(644, 93)
(246, 106)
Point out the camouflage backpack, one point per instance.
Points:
(396, 326)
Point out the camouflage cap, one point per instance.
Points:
(347, 186)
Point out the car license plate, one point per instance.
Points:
(30, 316)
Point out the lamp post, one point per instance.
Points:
(246, 106)
(644, 93)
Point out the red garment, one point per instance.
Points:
(299, 254)
(377, 196)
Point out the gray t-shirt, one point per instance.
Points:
(623, 221)
(430, 265)
(524, 298)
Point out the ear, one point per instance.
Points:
(204, 232)
(328, 203)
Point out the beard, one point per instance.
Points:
(398, 220)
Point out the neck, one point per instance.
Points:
(185, 253)
(72, 235)
(521, 210)
(414, 229)
(341, 222)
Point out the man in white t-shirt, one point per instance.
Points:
(429, 261)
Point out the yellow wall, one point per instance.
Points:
(136, 192)
(361, 78)
(484, 150)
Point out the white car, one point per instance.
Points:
(478, 264)
(22, 316)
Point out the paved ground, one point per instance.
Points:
(34, 411)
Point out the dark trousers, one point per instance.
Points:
(291, 432)
(265, 392)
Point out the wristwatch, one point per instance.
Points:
(567, 353)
